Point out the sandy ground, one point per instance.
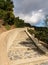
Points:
(8, 41)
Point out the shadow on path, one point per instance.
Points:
(30, 44)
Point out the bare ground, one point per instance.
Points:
(9, 41)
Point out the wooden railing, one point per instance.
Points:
(36, 43)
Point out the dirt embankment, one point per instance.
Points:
(3, 29)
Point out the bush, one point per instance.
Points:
(7, 27)
(40, 33)
(31, 31)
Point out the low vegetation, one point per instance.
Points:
(7, 27)
(41, 33)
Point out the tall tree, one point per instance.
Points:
(6, 5)
(6, 11)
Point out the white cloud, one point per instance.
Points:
(34, 18)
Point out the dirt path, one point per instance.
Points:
(7, 39)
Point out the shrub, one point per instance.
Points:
(31, 31)
(40, 33)
(7, 27)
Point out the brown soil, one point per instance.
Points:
(3, 29)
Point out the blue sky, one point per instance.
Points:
(32, 11)
(40, 24)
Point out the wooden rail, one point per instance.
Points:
(36, 43)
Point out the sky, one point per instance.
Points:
(32, 11)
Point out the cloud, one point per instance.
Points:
(27, 6)
(32, 11)
(34, 18)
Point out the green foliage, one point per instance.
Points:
(6, 14)
(9, 18)
(41, 33)
(2, 14)
(7, 27)
(6, 5)
(9, 5)
(6, 11)
(18, 22)
(31, 31)
(27, 25)
(2, 4)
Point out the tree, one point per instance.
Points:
(9, 18)
(6, 11)
(2, 4)
(6, 5)
(18, 22)
(2, 14)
